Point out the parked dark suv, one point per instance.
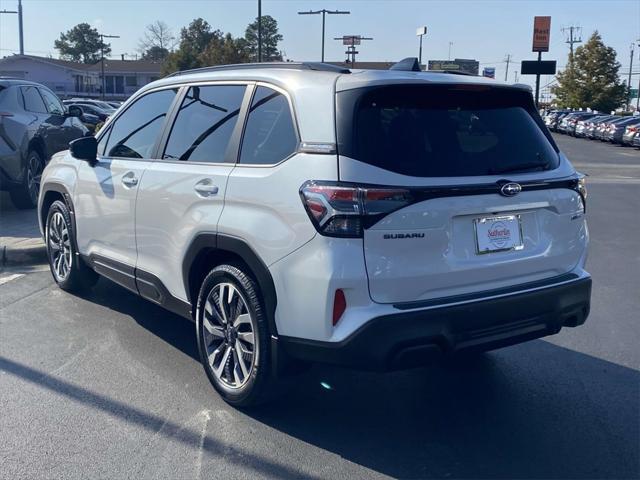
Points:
(34, 124)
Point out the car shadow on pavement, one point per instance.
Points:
(534, 410)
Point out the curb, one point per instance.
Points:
(34, 255)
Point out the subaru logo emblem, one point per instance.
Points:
(510, 189)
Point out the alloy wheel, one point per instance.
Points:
(34, 173)
(59, 245)
(228, 335)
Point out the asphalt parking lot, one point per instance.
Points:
(109, 386)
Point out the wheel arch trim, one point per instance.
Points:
(221, 243)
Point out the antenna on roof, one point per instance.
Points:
(409, 64)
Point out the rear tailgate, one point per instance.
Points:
(462, 231)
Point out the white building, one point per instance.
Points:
(71, 79)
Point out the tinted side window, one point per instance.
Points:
(134, 133)
(270, 135)
(32, 100)
(205, 122)
(52, 102)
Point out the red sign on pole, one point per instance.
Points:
(541, 34)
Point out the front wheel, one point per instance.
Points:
(67, 268)
(233, 336)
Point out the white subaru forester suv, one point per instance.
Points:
(302, 212)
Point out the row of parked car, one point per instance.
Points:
(595, 126)
(93, 113)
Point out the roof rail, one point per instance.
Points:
(316, 66)
(454, 72)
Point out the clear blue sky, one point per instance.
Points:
(483, 30)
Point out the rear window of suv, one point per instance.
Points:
(444, 131)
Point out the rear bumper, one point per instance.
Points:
(411, 338)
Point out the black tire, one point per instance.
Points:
(60, 241)
(26, 195)
(257, 385)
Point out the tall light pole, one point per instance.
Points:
(20, 30)
(629, 80)
(324, 12)
(421, 32)
(259, 31)
(450, 45)
(102, 37)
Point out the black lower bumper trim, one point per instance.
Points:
(407, 339)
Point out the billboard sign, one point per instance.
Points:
(541, 34)
(535, 67)
(471, 67)
(489, 72)
(351, 40)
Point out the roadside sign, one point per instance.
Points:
(351, 40)
(538, 67)
(421, 31)
(541, 34)
(489, 72)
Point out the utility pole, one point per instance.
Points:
(20, 30)
(506, 72)
(259, 31)
(324, 11)
(515, 77)
(629, 81)
(571, 39)
(102, 37)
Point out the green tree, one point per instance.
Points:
(270, 39)
(194, 40)
(81, 44)
(224, 51)
(591, 78)
(155, 54)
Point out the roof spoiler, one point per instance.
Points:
(409, 64)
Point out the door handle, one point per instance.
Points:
(129, 179)
(206, 188)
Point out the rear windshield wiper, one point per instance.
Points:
(519, 167)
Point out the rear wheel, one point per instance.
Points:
(233, 336)
(26, 195)
(67, 268)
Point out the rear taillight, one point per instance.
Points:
(582, 190)
(344, 210)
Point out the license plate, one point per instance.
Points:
(497, 234)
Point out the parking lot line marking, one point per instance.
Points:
(8, 278)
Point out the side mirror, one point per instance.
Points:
(84, 148)
(75, 112)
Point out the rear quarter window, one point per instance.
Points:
(443, 131)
